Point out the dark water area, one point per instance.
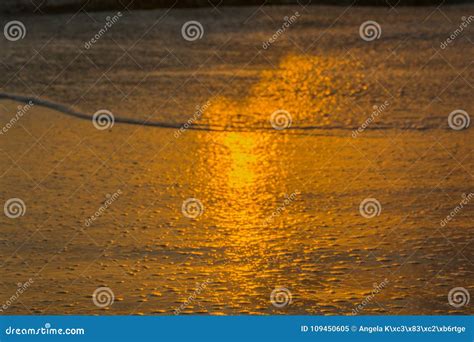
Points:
(41, 6)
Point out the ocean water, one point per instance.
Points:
(258, 211)
(319, 69)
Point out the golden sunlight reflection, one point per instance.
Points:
(221, 203)
(244, 183)
(245, 176)
(314, 89)
(242, 160)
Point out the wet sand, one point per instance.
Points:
(229, 259)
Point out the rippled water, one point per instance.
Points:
(277, 210)
(310, 88)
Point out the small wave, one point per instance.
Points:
(200, 127)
